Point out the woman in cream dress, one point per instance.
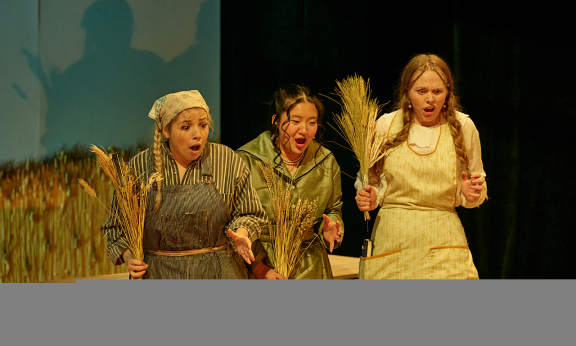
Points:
(432, 165)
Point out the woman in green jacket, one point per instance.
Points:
(293, 146)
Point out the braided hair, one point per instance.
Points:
(157, 149)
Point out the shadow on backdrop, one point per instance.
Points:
(198, 67)
(102, 99)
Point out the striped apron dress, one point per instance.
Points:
(191, 217)
(417, 233)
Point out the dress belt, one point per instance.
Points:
(187, 252)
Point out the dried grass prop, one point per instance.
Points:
(132, 197)
(291, 223)
(357, 124)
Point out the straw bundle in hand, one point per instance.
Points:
(357, 124)
(291, 223)
(132, 197)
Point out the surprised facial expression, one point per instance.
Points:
(188, 135)
(427, 97)
(295, 136)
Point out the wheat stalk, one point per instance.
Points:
(357, 124)
(288, 234)
(41, 218)
(131, 195)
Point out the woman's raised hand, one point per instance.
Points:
(366, 199)
(472, 188)
(242, 244)
(332, 232)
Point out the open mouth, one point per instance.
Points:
(195, 147)
(429, 110)
(300, 143)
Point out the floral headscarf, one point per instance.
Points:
(167, 107)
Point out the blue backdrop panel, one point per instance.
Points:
(87, 72)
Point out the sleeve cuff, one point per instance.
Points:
(252, 227)
(260, 255)
(115, 253)
(469, 205)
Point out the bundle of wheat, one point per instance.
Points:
(131, 195)
(291, 224)
(357, 124)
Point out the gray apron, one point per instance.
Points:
(190, 217)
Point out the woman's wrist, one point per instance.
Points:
(125, 254)
(260, 270)
(242, 231)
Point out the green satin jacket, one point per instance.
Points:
(318, 176)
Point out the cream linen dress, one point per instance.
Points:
(417, 233)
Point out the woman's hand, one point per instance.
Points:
(136, 268)
(366, 199)
(262, 271)
(331, 231)
(242, 244)
(272, 275)
(472, 188)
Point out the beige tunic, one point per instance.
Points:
(417, 234)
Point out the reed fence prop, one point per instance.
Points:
(48, 229)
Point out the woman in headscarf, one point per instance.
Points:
(433, 164)
(203, 216)
(293, 146)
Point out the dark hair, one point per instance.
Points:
(283, 100)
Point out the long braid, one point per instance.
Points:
(456, 131)
(449, 113)
(157, 150)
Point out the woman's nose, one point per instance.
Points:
(195, 132)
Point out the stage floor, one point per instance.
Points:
(343, 267)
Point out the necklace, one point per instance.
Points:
(293, 162)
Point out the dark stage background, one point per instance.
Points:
(514, 73)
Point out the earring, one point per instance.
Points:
(444, 106)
